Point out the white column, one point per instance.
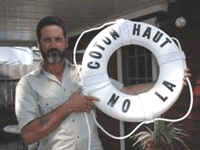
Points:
(120, 79)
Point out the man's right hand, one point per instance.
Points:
(81, 103)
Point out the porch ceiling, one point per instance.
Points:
(19, 17)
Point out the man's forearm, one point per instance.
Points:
(44, 125)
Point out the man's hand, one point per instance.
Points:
(186, 74)
(44, 125)
(81, 103)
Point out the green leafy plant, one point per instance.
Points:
(164, 134)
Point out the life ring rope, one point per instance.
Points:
(151, 119)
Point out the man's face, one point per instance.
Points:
(53, 44)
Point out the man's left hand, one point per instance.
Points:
(187, 74)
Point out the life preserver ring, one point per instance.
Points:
(133, 108)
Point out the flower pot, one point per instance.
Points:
(155, 148)
(151, 145)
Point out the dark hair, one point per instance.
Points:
(50, 20)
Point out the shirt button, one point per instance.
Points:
(77, 136)
(64, 90)
(47, 104)
(73, 120)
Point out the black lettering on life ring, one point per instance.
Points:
(161, 97)
(147, 33)
(99, 46)
(114, 34)
(93, 65)
(157, 37)
(95, 54)
(169, 85)
(165, 42)
(136, 29)
(113, 100)
(126, 105)
(107, 41)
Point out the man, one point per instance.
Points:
(46, 109)
(49, 105)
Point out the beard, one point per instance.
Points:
(53, 56)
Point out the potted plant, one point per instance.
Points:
(165, 136)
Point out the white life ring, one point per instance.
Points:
(133, 108)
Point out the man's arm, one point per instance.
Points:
(44, 125)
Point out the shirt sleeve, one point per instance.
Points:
(26, 107)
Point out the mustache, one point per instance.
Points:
(52, 50)
(54, 53)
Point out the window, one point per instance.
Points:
(137, 65)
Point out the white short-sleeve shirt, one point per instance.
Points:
(38, 93)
